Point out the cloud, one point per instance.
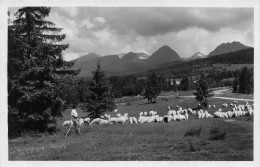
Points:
(113, 30)
(160, 21)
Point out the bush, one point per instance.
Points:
(191, 146)
(217, 133)
(193, 132)
(128, 103)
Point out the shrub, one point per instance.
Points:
(193, 132)
(128, 103)
(191, 146)
(217, 133)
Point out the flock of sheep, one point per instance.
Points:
(172, 115)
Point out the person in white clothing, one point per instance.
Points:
(74, 114)
(74, 118)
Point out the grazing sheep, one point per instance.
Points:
(218, 114)
(130, 120)
(95, 121)
(68, 122)
(167, 118)
(81, 121)
(121, 119)
(225, 105)
(151, 119)
(190, 110)
(143, 119)
(103, 122)
(230, 114)
(203, 115)
(213, 106)
(186, 115)
(181, 117)
(225, 114)
(158, 118)
(118, 115)
(134, 120)
(209, 106)
(251, 112)
(199, 114)
(145, 113)
(115, 110)
(86, 120)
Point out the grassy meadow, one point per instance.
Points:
(144, 142)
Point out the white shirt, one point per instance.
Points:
(74, 113)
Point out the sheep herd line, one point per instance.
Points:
(180, 114)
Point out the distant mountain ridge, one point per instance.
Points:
(227, 47)
(126, 63)
(197, 55)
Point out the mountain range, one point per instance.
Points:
(131, 62)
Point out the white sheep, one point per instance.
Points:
(167, 118)
(181, 117)
(213, 106)
(190, 110)
(186, 115)
(134, 120)
(86, 120)
(81, 121)
(95, 121)
(118, 115)
(68, 122)
(130, 120)
(225, 105)
(151, 119)
(145, 113)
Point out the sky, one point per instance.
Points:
(116, 30)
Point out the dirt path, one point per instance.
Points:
(225, 98)
(229, 98)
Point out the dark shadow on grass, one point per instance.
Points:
(216, 133)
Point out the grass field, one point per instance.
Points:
(151, 142)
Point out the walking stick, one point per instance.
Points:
(68, 130)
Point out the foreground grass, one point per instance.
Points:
(153, 142)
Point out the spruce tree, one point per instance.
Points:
(100, 98)
(184, 84)
(202, 93)
(246, 81)
(235, 85)
(35, 69)
(152, 89)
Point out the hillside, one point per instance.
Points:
(195, 67)
(227, 47)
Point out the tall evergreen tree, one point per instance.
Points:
(184, 84)
(100, 98)
(152, 89)
(35, 68)
(235, 85)
(246, 81)
(202, 93)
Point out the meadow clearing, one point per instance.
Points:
(145, 142)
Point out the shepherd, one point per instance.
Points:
(75, 120)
